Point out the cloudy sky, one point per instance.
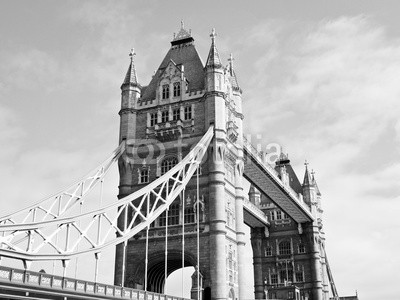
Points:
(322, 75)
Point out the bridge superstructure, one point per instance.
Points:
(182, 160)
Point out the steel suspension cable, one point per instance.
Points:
(198, 231)
(183, 238)
(97, 255)
(166, 250)
(146, 262)
(124, 247)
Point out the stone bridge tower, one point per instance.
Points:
(162, 121)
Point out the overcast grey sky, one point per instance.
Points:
(320, 78)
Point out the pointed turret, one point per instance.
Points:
(232, 75)
(131, 78)
(215, 73)
(308, 188)
(314, 182)
(130, 94)
(254, 195)
(307, 181)
(213, 60)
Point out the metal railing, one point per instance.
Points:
(58, 283)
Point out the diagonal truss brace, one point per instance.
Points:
(108, 226)
(57, 205)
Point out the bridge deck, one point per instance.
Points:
(21, 284)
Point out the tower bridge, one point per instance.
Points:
(184, 203)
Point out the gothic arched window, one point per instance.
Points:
(285, 248)
(165, 91)
(167, 164)
(177, 89)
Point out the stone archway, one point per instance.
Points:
(156, 268)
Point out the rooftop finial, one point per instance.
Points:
(231, 59)
(213, 34)
(132, 53)
(306, 163)
(183, 36)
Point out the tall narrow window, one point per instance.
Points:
(177, 89)
(278, 215)
(268, 251)
(164, 116)
(302, 248)
(286, 275)
(162, 219)
(173, 214)
(272, 215)
(189, 215)
(167, 164)
(176, 114)
(299, 277)
(144, 175)
(153, 119)
(274, 278)
(165, 91)
(188, 112)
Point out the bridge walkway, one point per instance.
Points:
(24, 284)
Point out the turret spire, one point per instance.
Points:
(231, 59)
(131, 76)
(314, 182)
(307, 178)
(232, 74)
(213, 59)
